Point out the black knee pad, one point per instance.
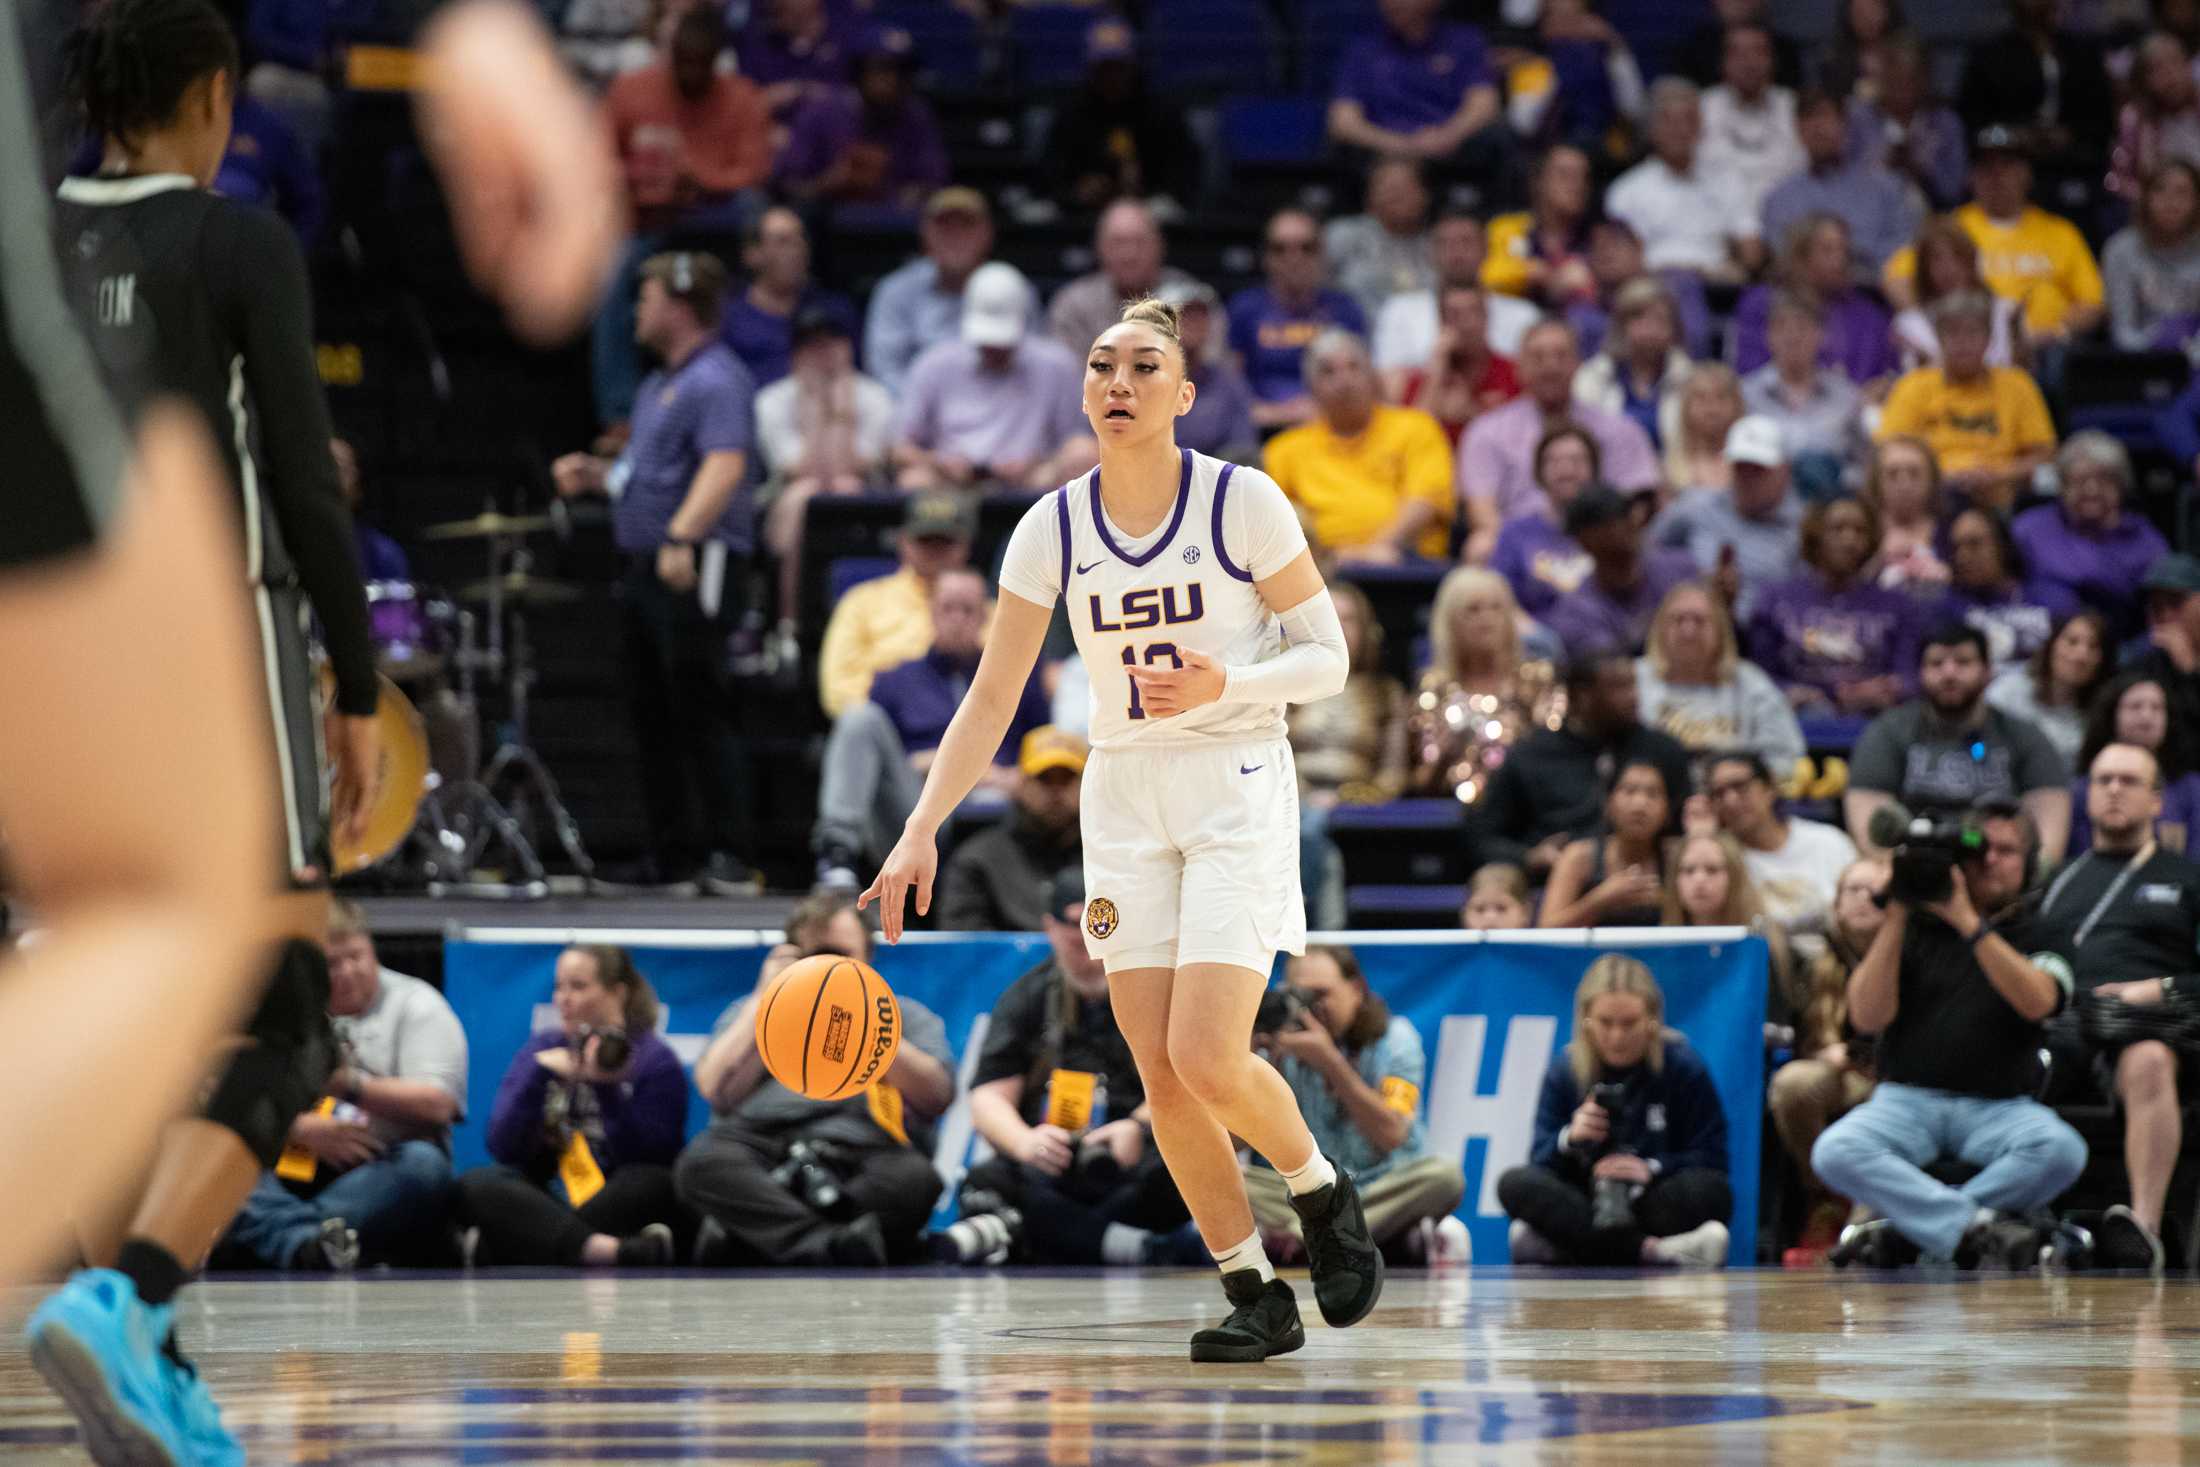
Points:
(282, 1072)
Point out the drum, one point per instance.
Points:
(403, 757)
(413, 627)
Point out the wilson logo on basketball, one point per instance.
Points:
(838, 1025)
(883, 1039)
(1100, 918)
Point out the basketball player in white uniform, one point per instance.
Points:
(1200, 615)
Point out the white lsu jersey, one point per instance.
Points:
(1138, 599)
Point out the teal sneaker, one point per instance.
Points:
(200, 1419)
(98, 1345)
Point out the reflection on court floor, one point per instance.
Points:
(1088, 1370)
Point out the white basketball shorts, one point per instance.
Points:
(1192, 855)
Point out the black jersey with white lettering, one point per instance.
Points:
(188, 294)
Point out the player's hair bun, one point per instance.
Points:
(1152, 311)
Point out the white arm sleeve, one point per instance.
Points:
(1311, 666)
(1032, 565)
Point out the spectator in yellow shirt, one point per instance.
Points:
(1373, 481)
(1988, 426)
(885, 622)
(2026, 254)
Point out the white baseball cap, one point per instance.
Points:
(996, 305)
(1755, 440)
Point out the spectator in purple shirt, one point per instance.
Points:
(1875, 205)
(797, 50)
(1612, 609)
(875, 143)
(1271, 324)
(880, 748)
(1540, 561)
(1421, 88)
(1220, 423)
(1988, 588)
(759, 322)
(1835, 642)
(2088, 543)
(1815, 258)
(1615, 258)
(584, 1148)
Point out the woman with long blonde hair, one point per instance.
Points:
(1710, 405)
(1480, 695)
(1693, 684)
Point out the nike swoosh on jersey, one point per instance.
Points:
(1249, 768)
(1086, 569)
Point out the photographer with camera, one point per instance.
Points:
(1357, 1070)
(2128, 911)
(1956, 985)
(586, 1123)
(1629, 1162)
(798, 1183)
(1075, 1177)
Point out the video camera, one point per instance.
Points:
(1925, 852)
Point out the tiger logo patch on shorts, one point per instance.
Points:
(1100, 917)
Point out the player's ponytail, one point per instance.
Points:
(1158, 316)
(130, 62)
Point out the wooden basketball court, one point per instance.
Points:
(1089, 1370)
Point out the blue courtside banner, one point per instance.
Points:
(1492, 1012)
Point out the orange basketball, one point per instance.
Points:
(828, 1027)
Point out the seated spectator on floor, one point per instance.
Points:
(1373, 481)
(2150, 269)
(1815, 407)
(1642, 366)
(998, 880)
(1220, 423)
(1948, 264)
(1708, 404)
(1410, 323)
(1946, 750)
(1273, 323)
(1689, 215)
(1906, 129)
(1497, 900)
(2091, 543)
(881, 747)
(2134, 709)
(2026, 254)
(1351, 749)
(1746, 537)
(1693, 684)
(2055, 688)
(1956, 993)
(1876, 208)
(1550, 791)
(1384, 250)
(1853, 323)
(2126, 911)
(1422, 88)
(1749, 135)
(1795, 864)
(1902, 482)
(759, 322)
(1988, 426)
(1358, 1070)
(1835, 641)
(1075, 1177)
(1496, 472)
(1542, 254)
(824, 428)
(1481, 694)
(1832, 1073)
(874, 143)
(1629, 1162)
(1612, 608)
(1128, 245)
(367, 1174)
(1463, 377)
(581, 1147)
(1616, 261)
(886, 621)
(1114, 138)
(920, 304)
(1613, 878)
(1537, 558)
(798, 1183)
(796, 50)
(999, 404)
(1989, 588)
(2160, 123)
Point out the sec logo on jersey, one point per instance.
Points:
(1191, 555)
(1100, 917)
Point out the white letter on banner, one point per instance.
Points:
(951, 1156)
(1458, 1112)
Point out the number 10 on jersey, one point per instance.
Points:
(1155, 651)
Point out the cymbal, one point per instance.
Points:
(523, 588)
(486, 526)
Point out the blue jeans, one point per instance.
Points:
(1876, 1154)
(388, 1201)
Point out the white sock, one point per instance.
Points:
(1123, 1244)
(1248, 1254)
(1315, 1175)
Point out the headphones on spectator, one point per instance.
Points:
(683, 272)
(2001, 807)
